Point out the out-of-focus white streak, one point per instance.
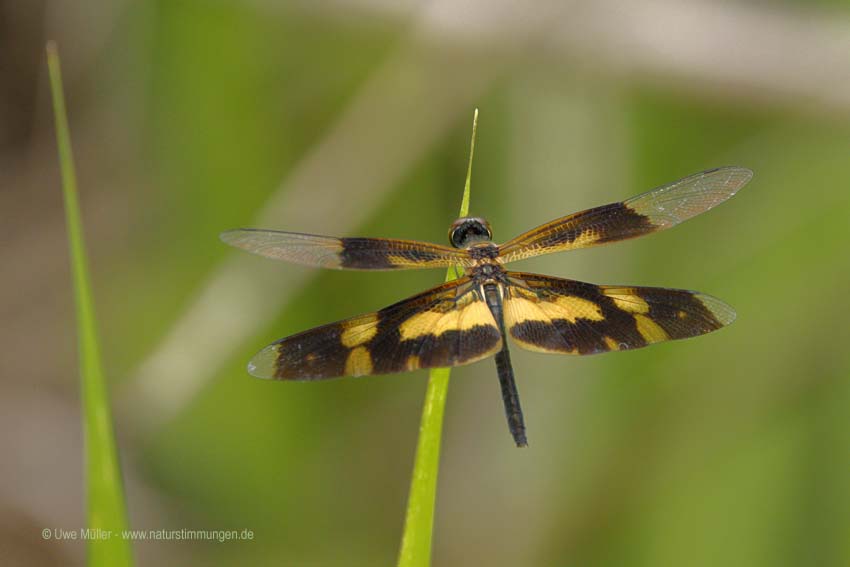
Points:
(760, 52)
(757, 51)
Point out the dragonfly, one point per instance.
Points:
(470, 318)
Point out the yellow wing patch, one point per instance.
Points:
(446, 318)
(359, 362)
(359, 331)
(568, 308)
(650, 330)
(626, 300)
(412, 363)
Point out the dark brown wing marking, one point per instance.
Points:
(555, 315)
(654, 210)
(345, 253)
(449, 325)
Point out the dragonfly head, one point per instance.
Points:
(467, 231)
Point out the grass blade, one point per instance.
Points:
(106, 508)
(419, 521)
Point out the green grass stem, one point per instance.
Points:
(105, 493)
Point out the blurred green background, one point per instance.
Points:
(353, 118)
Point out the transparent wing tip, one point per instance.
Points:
(233, 236)
(723, 312)
(736, 177)
(736, 169)
(264, 363)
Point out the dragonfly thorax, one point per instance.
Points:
(488, 272)
(467, 231)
